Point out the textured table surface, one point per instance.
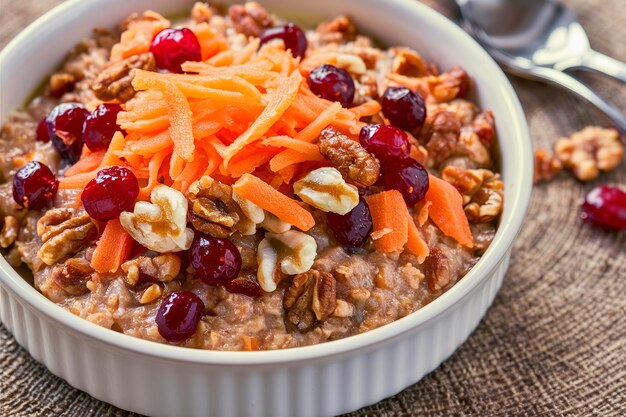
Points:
(554, 342)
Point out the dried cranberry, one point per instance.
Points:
(172, 47)
(100, 126)
(404, 108)
(292, 36)
(605, 207)
(42, 131)
(34, 186)
(216, 261)
(113, 191)
(65, 129)
(241, 285)
(179, 315)
(386, 142)
(352, 228)
(407, 176)
(332, 83)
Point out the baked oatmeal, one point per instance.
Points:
(233, 182)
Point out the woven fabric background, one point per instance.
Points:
(554, 342)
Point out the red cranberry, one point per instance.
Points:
(605, 207)
(179, 315)
(172, 47)
(241, 285)
(34, 186)
(113, 191)
(292, 36)
(42, 131)
(407, 176)
(100, 126)
(352, 228)
(65, 128)
(216, 261)
(404, 108)
(386, 142)
(332, 83)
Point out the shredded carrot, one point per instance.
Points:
(415, 244)
(137, 37)
(246, 53)
(277, 102)
(369, 108)
(117, 144)
(77, 181)
(446, 211)
(112, 249)
(289, 143)
(181, 125)
(325, 118)
(422, 215)
(86, 164)
(388, 216)
(266, 197)
(289, 157)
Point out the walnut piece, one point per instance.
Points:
(482, 191)
(290, 253)
(60, 83)
(201, 12)
(73, 276)
(437, 269)
(358, 166)
(162, 268)
(339, 30)
(409, 63)
(311, 298)
(63, 233)
(213, 210)
(441, 133)
(590, 151)
(449, 85)
(10, 230)
(115, 81)
(160, 225)
(250, 18)
(547, 165)
(151, 293)
(325, 189)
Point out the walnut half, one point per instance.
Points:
(325, 189)
(311, 297)
(115, 81)
(357, 165)
(213, 210)
(63, 234)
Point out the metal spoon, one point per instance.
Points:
(540, 39)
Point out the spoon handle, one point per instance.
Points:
(605, 64)
(580, 89)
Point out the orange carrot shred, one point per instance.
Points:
(389, 220)
(266, 197)
(446, 211)
(112, 249)
(415, 244)
(87, 163)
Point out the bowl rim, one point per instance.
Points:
(507, 231)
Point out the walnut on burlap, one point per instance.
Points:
(554, 342)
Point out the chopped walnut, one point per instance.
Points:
(471, 145)
(10, 229)
(547, 165)
(344, 309)
(151, 293)
(339, 30)
(250, 18)
(449, 85)
(160, 225)
(409, 63)
(60, 83)
(201, 12)
(437, 269)
(115, 81)
(213, 210)
(311, 297)
(73, 276)
(325, 189)
(590, 151)
(484, 126)
(357, 165)
(444, 128)
(482, 192)
(411, 275)
(162, 268)
(63, 233)
(366, 89)
(290, 253)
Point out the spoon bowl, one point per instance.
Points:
(541, 40)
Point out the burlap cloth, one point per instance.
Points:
(554, 342)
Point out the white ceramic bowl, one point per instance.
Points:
(321, 380)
